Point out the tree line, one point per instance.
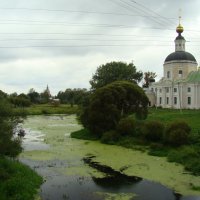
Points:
(105, 74)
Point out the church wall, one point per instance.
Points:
(174, 67)
(175, 96)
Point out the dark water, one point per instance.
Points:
(60, 187)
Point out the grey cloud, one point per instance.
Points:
(73, 66)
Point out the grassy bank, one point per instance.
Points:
(168, 115)
(17, 181)
(188, 154)
(42, 109)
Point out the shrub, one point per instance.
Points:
(188, 156)
(193, 165)
(9, 145)
(153, 131)
(110, 137)
(126, 126)
(182, 154)
(177, 137)
(177, 133)
(139, 128)
(179, 124)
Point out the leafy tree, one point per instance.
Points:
(21, 100)
(115, 71)
(34, 96)
(72, 96)
(9, 145)
(110, 103)
(148, 78)
(3, 94)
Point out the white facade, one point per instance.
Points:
(180, 86)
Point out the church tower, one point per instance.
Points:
(180, 40)
(180, 86)
(180, 63)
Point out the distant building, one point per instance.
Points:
(47, 91)
(180, 86)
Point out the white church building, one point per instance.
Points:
(180, 86)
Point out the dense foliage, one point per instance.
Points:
(153, 131)
(111, 103)
(115, 71)
(177, 133)
(21, 100)
(9, 145)
(17, 181)
(127, 126)
(73, 96)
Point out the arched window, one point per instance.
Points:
(168, 74)
(189, 100)
(180, 73)
(175, 100)
(167, 100)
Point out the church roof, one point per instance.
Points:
(180, 56)
(194, 77)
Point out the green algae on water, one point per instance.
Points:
(56, 131)
(118, 196)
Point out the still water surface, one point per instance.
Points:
(62, 186)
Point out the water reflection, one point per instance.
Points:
(58, 186)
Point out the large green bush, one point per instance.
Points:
(153, 131)
(177, 133)
(111, 103)
(127, 126)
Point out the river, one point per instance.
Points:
(87, 170)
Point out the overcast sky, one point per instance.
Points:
(61, 43)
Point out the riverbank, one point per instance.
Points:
(65, 158)
(44, 109)
(18, 182)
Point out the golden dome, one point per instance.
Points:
(179, 29)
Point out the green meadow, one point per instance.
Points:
(192, 117)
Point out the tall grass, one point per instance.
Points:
(17, 181)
